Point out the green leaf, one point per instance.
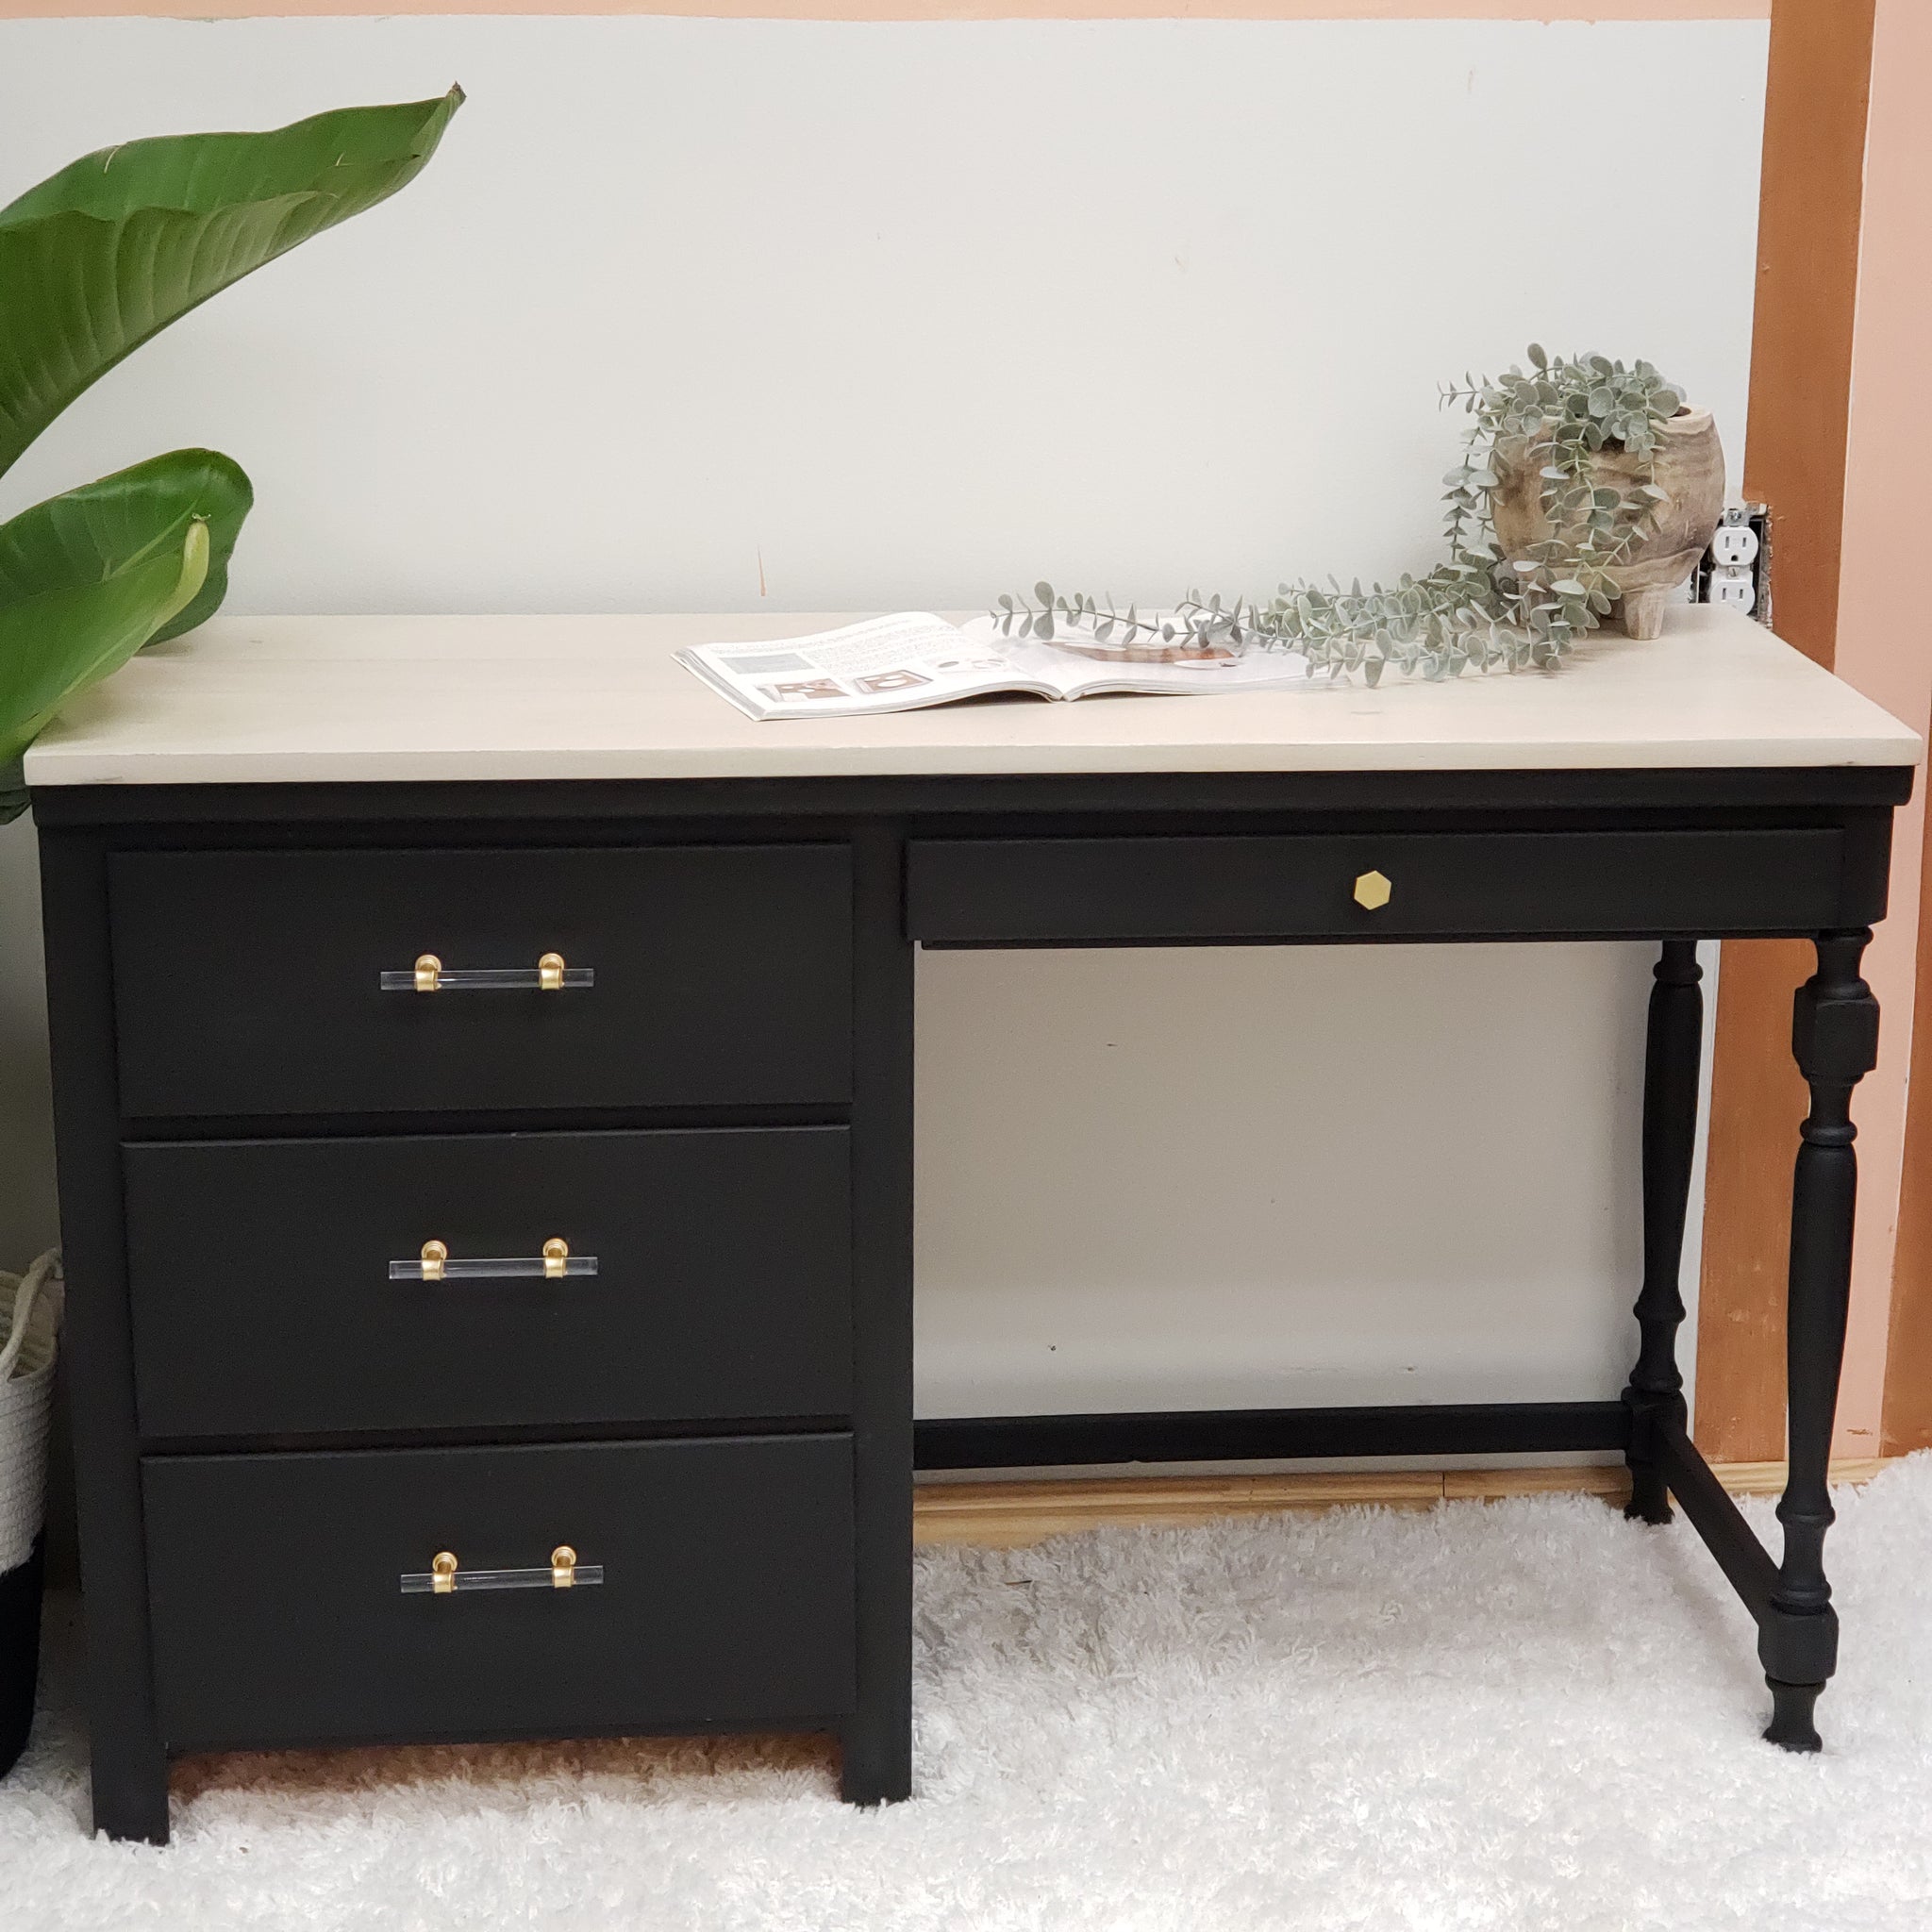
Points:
(1536, 355)
(116, 245)
(87, 579)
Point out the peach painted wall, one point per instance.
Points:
(927, 9)
(1883, 635)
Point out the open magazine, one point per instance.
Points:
(904, 662)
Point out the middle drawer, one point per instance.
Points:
(260, 1280)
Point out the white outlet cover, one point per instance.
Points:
(1735, 587)
(1734, 546)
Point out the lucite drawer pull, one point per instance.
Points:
(549, 974)
(436, 1263)
(445, 1576)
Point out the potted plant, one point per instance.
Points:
(1598, 476)
(94, 262)
(1589, 490)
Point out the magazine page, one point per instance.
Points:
(912, 660)
(895, 663)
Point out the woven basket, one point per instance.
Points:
(29, 1316)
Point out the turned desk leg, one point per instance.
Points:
(1656, 1393)
(1834, 1040)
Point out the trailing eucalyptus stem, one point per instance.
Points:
(1480, 608)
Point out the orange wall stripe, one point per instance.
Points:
(1795, 455)
(1895, 272)
(1545, 10)
(1908, 1423)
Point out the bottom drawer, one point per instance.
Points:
(278, 1614)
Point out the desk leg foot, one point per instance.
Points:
(878, 1767)
(1835, 1041)
(1670, 1067)
(1791, 1728)
(1650, 1501)
(130, 1797)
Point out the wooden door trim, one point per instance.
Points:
(1817, 95)
(1908, 1411)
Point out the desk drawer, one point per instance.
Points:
(278, 1615)
(1440, 885)
(250, 983)
(260, 1291)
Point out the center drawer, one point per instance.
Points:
(280, 1617)
(260, 1289)
(1367, 886)
(253, 982)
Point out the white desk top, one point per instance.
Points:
(255, 700)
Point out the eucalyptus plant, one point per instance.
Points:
(1480, 608)
(95, 260)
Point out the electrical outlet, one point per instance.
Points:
(1734, 546)
(1733, 587)
(1736, 570)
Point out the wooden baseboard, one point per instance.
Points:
(1768, 1479)
(1007, 1515)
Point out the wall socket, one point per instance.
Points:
(1736, 570)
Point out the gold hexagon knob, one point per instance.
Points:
(1371, 891)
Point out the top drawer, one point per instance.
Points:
(1376, 885)
(251, 983)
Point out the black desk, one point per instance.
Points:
(286, 1422)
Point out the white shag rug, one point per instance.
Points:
(1525, 1715)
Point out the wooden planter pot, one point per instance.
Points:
(1689, 468)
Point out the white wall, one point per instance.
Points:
(687, 314)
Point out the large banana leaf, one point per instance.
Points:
(87, 579)
(89, 533)
(99, 257)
